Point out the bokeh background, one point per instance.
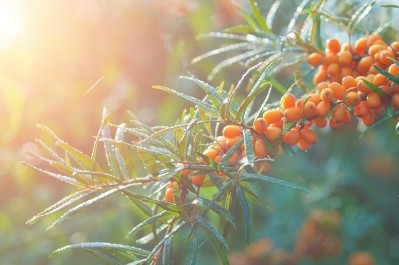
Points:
(61, 62)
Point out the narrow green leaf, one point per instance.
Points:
(267, 179)
(249, 100)
(109, 152)
(245, 211)
(249, 149)
(231, 151)
(50, 151)
(298, 12)
(231, 47)
(375, 88)
(106, 117)
(148, 221)
(70, 199)
(389, 76)
(219, 210)
(60, 177)
(211, 230)
(82, 159)
(272, 13)
(258, 16)
(208, 89)
(359, 15)
(219, 249)
(240, 29)
(390, 6)
(195, 248)
(249, 19)
(167, 252)
(188, 98)
(104, 257)
(101, 245)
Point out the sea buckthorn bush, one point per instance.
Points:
(197, 179)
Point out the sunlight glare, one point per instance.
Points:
(11, 23)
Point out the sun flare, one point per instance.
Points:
(11, 23)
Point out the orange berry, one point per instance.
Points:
(333, 69)
(292, 136)
(338, 113)
(309, 110)
(197, 180)
(320, 122)
(288, 101)
(330, 58)
(273, 132)
(323, 108)
(362, 109)
(376, 48)
(346, 71)
(303, 145)
(169, 195)
(308, 135)
(221, 141)
(385, 57)
(334, 124)
(265, 166)
(348, 82)
(210, 153)
(321, 86)
(373, 100)
(260, 149)
(361, 45)
(300, 103)
(293, 114)
(273, 115)
(339, 90)
(380, 80)
(347, 118)
(352, 99)
(320, 76)
(260, 125)
(393, 69)
(234, 158)
(344, 58)
(315, 98)
(231, 131)
(395, 100)
(327, 94)
(395, 46)
(372, 39)
(333, 45)
(362, 86)
(314, 59)
(364, 65)
(232, 141)
(368, 120)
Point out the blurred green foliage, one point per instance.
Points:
(128, 46)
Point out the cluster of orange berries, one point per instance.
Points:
(346, 82)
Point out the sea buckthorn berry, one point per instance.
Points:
(330, 58)
(292, 136)
(334, 124)
(344, 58)
(361, 45)
(300, 103)
(288, 101)
(198, 180)
(348, 82)
(333, 45)
(376, 48)
(320, 76)
(368, 120)
(323, 108)
(303, 145)
(308, 135)
(395, 100)
(347, 118)
(346, 47)
(372, 39)
(395, 46)
(338, 113)
(210, 153)
(373, 100)
(321, 86)
(327, 94)
(232, 141)
(273, 132)
(309, 110)
(393, 69)
(339, 90)
(293, 114)
(260, 149)
(362, 109)
(279, 123)
(386, 89)
(273, 115)
(218, 158)
(234, 158)
(379, 80)
(352, 99)
(346, 71)
(385, 57)
(231, 131)
(169, 195)
(314, 59)
(315, 98)
(320, 122)
(222, 141)
(361, 85)
(364, 65)
(260, 125)
(263, 166)
(333, 69)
